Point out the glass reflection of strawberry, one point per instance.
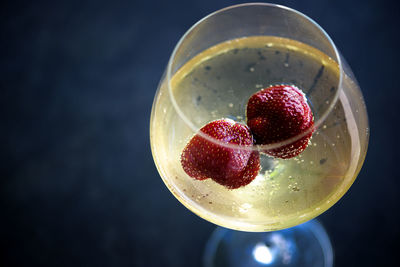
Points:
(229, 166)
(277, 113)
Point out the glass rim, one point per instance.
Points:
(258, 147)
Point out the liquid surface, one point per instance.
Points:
(217, 84)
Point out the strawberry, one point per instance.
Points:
(231, 167)
(277, 113)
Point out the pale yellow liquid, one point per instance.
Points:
(217, 84)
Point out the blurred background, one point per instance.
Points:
(78, 185)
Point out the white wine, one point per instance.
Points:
(216, 84)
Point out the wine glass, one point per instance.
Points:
(215, 68)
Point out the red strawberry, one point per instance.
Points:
(228, 166)
(277, 113)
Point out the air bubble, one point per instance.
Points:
(245, 207)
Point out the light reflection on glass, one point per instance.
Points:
(262, 253)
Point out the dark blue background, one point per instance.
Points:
(78, 185)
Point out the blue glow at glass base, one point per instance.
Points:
(262, 253)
